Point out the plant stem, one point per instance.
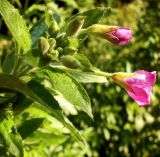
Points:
(84, 31)
(101, 73)
(98, 73)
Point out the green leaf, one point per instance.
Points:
(51, 106)
(92, 16)
(15, 24)
(88, 78)
(45, 101)
(29, 126)
(50, 138)
(69, 90)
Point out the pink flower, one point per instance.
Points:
(138, 85)
(120, 36)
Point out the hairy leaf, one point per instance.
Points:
(15, 24)
(69, 90)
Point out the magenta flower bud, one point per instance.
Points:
(120, 36)
(138, 85)
(114, 34)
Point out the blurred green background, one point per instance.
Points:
(120, 128)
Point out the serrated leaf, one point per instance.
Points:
(70, 90)
(15, 24)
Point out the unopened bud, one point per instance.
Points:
(60, 50)
(69, 50)
(43, 45)
(75, 25)
(70, 62)
(54, 28)
(53, 55)
(52, 42)
(114, 34)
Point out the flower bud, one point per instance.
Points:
(120, 36)
(43, 45)
(53, 55)
(60, 50)
(54, 28)
(69, 50)
(52, 42)
(114, 34)
(74, 26)
(70, 62)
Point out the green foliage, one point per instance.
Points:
(72, 93)
(45, 111)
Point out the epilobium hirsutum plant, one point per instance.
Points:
(45, 69)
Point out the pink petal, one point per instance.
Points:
(143, 80)
(123, 36)
(150, 76)
(140, 95)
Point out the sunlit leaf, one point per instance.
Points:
(69, 90)
(15, 24)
